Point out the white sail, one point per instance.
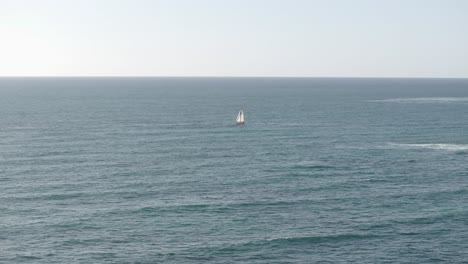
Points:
(240, 117)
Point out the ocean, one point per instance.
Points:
(155, 170)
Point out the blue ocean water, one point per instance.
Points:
(154, 170)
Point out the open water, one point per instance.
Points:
(154, 170)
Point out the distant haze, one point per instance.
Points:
(323, 38)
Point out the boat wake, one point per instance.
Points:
(421, 100)
(446, 147)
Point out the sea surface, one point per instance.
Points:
(154, 170)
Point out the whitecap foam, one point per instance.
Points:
(423, 100)
(279, 238)
(447, 147)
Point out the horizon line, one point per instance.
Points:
(227, 76)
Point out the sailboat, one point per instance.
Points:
(240, 118)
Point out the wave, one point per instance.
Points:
(254, 245)
(423, 100)
(320, 239)
(206, 207)
(25, 258)
(447, 147)
(433, 218)
(312, 165)
(306, 165)
(298, 168)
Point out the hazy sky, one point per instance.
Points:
(356, 38)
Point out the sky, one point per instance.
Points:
(307, 38)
